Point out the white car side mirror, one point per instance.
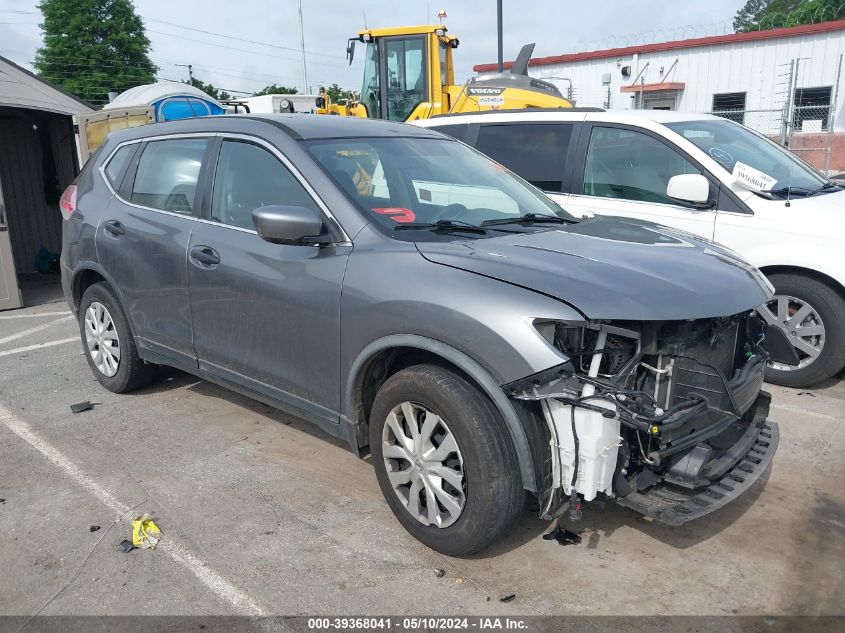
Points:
(693, 188)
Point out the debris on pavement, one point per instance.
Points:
(126, 546)
(562, 536)
(145, 533)
(79, 407)
(440, 573)
(459, 581)
(507, 598)
(93, 528)
(806, 393)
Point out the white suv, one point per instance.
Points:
(706, 175)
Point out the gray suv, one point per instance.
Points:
(410, 296)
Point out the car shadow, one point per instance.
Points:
(600, 520)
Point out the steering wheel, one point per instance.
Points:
(454, 211)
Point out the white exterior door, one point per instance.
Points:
(626, 172)
(10, 295)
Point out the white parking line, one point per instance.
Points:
(30, 315)
(35, 329)
(798, 410)
(169, 544)
(30, 348)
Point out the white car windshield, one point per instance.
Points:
(727, 143)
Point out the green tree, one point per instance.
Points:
(210, 90)
(336, 93)
(93, 47)
(275, 89)
(770, 14)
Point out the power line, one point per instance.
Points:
(239, 39)
(242, 50)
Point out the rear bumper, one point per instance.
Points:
(676, 505)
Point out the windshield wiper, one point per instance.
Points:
(790, 191)
(531, 218)
(442, 225)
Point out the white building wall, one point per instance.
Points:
(759, 68)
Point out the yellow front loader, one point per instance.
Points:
(409, 75)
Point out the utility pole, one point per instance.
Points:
(302, 43)
(190, 68)
(499, 34)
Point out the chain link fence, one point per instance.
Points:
(807, 131)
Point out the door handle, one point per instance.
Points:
(115, 228)
(204, 255)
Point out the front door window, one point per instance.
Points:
(626, 164)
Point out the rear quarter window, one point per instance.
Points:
(117, 164)
(535, 151)
(455, 131)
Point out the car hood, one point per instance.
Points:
(614, 268)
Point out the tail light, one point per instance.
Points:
(67, 203)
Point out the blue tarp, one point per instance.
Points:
(183, 107)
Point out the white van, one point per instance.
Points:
(703, 174)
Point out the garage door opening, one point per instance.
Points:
(37, 162)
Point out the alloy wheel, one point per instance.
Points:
(802, 325)
(101, 339)
(424, 464)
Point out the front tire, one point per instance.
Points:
(444, 460)
(812, 315)
(109, 345)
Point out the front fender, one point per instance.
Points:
(466, 364)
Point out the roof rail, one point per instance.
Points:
(517, 110)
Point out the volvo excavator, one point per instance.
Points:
(409, 75)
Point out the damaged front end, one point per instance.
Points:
(666, 417)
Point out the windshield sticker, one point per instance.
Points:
(397, 214)
(751, 178)
(720, 155)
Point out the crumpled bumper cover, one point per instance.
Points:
(675, 505)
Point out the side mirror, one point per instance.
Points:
(692, 188)
(350, 49)
(281, 224)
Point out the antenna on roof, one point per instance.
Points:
(365, 19)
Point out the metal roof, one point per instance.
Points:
(714, 40)
(296, 126)
(20, 88)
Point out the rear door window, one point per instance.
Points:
(535, 151)
(167, 174)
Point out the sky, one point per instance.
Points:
(273, 55)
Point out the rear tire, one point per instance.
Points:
(826, 308)
(108, 342)
(490, 495)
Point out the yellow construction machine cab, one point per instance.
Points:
(409, 75)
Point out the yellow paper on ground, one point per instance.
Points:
(145, 533)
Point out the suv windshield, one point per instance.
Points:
(727, 143)
(421, 181)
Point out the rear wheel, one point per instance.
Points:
(812, 316)
(444, 460)
(109, 345)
